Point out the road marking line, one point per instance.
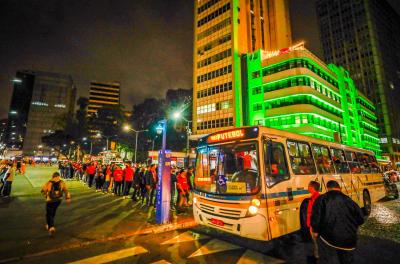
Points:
(163, 261)
(112, 256)
(185, 237)
(214, 246)
(252, 257)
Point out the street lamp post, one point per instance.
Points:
(178, 115)
(128, 128)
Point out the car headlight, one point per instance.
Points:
(194, 200)
(253, 209)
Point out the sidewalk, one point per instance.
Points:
(90, 218)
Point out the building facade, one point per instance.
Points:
(223, 31)
(102, 94)
(3, 130)
(40, 104)
(364, 37)
(294, 90)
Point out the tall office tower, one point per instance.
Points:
(364, 37)
(225, 30)
(40, 101)
(3, 130)
(103, 94)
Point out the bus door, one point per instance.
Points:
(278, 188)
(324, 163)
(303, 171)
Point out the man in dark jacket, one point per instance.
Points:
(335, 219)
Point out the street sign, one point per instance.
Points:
(163, 188)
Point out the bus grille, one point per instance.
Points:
(207, 208)
(231, 213)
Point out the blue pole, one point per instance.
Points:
(164, 184)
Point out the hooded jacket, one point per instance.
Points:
(336, 218)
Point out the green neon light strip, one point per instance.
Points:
(236, 61)
(317, 134)
(368, 103)
(308, 95)
(305, 75)
(300, 113)
(311, 124)
(300, 58)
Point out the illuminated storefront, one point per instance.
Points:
(293, 90)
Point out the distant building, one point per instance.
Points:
(3, 130)
(294, 90)
(40, 104)
(103, 94)
(224, 30)
(364, 37)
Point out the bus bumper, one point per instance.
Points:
(254, 227)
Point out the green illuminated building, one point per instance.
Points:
(293, 90)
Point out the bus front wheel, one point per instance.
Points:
(367, 203)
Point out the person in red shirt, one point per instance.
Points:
(118, 174)
(90, 171)
(183, 189)
(313, 188)
(128, 175)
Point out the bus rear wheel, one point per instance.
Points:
(367, 203)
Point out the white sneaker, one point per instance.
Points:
(52, 231)
(47, 227)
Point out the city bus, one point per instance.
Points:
(252, 181)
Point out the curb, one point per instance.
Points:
(150, 230)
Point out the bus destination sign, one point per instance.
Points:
(224, 136)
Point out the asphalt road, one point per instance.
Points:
(98, 228)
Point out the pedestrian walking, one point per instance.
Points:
(335, 220)
(8, 179)
(313, 188)
(136, 184)
(107, 173)
(118, 175)
(151, 184)
(128, 179)
(90, 170)
(183, 189)
(53, 192)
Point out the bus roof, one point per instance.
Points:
(239, 133)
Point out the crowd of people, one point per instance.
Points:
(131, 181)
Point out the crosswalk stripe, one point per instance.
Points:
(214, 246)
(163, 261)
(112, 256)
(185, 237)
(252, 257)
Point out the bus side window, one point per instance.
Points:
(300, 158)
(353, 162)
(323, 159)
(339, 161)
(363, 160)
(373, 164)
(275, 163)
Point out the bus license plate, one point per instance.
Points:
(217, 222)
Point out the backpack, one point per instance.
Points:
(55, 191)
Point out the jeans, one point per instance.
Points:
(99, 183)
(127, 187)
(51, 209)
(106, 185)
(117, 188)
(330, 255)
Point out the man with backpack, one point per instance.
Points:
(53, 191)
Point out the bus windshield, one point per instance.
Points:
(230, 169)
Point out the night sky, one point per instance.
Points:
(147, 45)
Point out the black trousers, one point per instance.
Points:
(90, 181)
(51, 209)
(330, 255)
(127, 187)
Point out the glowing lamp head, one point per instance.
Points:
(159, 129)
(126, 128)
(176, 115)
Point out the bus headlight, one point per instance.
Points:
(194, 200)
(256, 202)
(253, 209)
